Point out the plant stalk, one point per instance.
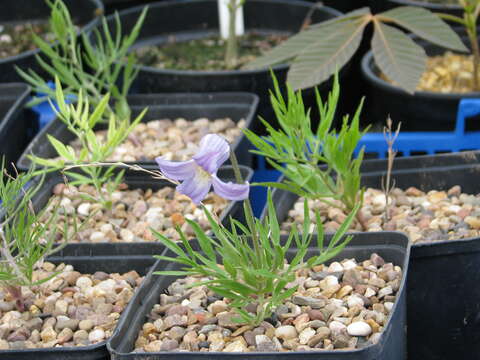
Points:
(247, 205)
(231, 53)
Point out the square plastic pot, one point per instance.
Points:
(109, 263)
(393, 247)
(14, 121)
(236, 106)
(443, 292)
(134, 180)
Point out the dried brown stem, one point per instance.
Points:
(387, 185)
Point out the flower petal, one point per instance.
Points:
(214, 151)
(196, 187)
(177, 170)
(230, 190)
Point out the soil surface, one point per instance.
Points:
(341, 306)
(70, 309)
(424, 217)
(447, 73)
(134, 213)
(175, 140)
(16, 39)
(205, 54)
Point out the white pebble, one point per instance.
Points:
(359, 328)
(336, 326)
(96, 335)
(349, 264)
(84, 282)
(286, 332)
(84, 209)
(354, 301)
(335, 267)
(388, 305)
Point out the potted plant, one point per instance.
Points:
(175, 122)
(128, 207)
(19, 19)
(435, 206)
(441, 87)
(252, 292)
(266, 23)
(55, 307)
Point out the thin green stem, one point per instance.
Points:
(248, 206)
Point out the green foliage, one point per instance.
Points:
(81, 121)
(321, 49)
(246, 275)
(298, 151)
(93, 66)
(25, 241)
(471, 12)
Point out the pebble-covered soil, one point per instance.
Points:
(176, 140)
(424, 217)
(340, 306)
(70, 309)
(448, 73)
(207, 54)
(134, 213)
(15, 39)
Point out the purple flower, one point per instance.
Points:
(200, 173)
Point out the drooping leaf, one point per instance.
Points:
(425, 24)
(297, 43)
(398, 56)
(322, 58)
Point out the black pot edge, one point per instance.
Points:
(418, 162)
(400, 300)
(96, 351)
(427, 5)
(85, 29)
(191, 73)
(95, 250)
(24, 163)
(421, 250)
(17, 105)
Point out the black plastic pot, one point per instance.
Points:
(345, 5)
(200, 19)
(135, 180)
(384, 5)
(421, 162)
(422, 111)
(84, 13)
(443, 308)
(236, 106)
(14, 121)
(393, 247)
(109, 263)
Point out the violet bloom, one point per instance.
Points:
(200, 173)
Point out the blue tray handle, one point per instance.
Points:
(466, 108)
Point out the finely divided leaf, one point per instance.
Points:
(297, 43)
(323, 57)
(398, 56)
(425, 24)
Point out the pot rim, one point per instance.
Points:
(196, 73)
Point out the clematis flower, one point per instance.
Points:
(200, 173)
